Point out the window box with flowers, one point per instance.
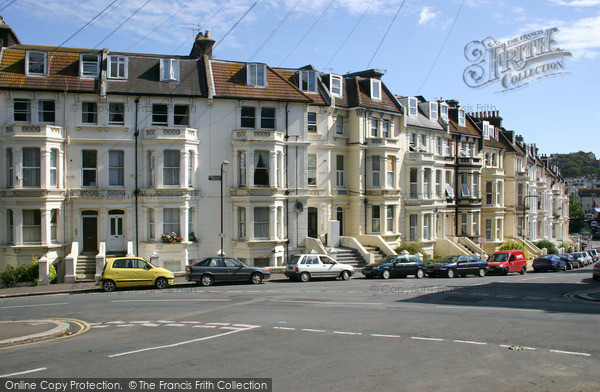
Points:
(171, 238)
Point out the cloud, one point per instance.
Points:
(426, 15)
(577, 3)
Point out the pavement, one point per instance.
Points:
(18, 332)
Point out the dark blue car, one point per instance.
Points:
(396, 266)
(452, 266)
(549, 263)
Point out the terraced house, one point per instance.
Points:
(107, 153)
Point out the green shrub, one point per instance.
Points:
(550, 247)
(410, 247)
(25, 273)
(512, 245)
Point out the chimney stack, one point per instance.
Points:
(203, 45)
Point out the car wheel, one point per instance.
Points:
(419, 274)
(109, 286)
(505, 272)
(385, 274)
(207, 280)
(481, 272)
(305, 276)
(161, 283)
(450, 273)
(345, 275)
(256, 278)
(523, 271)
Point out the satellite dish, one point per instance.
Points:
(298, 207)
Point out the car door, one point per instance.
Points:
(313, 266)
(329, 268)
(397, 268)
(412, 264)
(512, 265)
(143, 272)
(120, 272)
(236, 270)
(462, 265)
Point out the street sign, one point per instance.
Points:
(214, 178)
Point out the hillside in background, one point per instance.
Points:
(576, 164)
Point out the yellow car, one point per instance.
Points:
(133, 272)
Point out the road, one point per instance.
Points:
(399, 334)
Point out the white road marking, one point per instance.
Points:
(150, 325)
(125, 325)
(570, 352)
(433, 339)
(327, 303)
(285, 328)
(377, 335)
(204, 326)
(534, 298)
(174, 300)
(99, 326)
(529, 348)
(312, 330)
(347, 333)
(139, 322)
(246, 325)
(177, 344)
(174, 325)
(30, 306)
(115, 322)
(505, 296)
(469, 342)
(218, 323)
(23, 372)
(480, 294)
(190, 322)
(559, 300)
(232, 328)
(165, 321)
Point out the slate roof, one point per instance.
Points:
(63, 71)
(230, 82)
(359, 95)
(421, 120)
(144, 77)
(319, 98)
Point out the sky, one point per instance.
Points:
(420, 44)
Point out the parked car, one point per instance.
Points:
(596, 271)
(309, 266)
(549, 263)
(595, 254)
(581, 259)
(133, 272)
(587, 257)
(462, 265)
(224, 269)
(396, 266)
(506, 261)
(570, 261)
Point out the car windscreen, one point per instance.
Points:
(294, 260)
(387, 259)
(498, 257)
(449, 259)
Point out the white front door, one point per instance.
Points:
(116, 239)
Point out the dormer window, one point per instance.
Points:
(335, 83)
(412, 107)
(461, 117)
(88, 66)
(444, 111)
(486, 130)
(117, 67)
(36, 63)
(308, 81)
(169, 70)
(256, 75)
(491, 132)
(433, 111)
(376, 89)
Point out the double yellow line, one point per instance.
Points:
(83, 327)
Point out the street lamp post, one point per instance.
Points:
(221, 233)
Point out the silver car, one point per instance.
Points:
(308, 266)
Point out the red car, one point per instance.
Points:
(506, 261)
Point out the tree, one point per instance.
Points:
(576, 214)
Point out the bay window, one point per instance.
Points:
(171, 220)
(171, 165)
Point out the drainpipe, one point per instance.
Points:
(365, 123)
(136, 190)
(287, 192)
(456, 177)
